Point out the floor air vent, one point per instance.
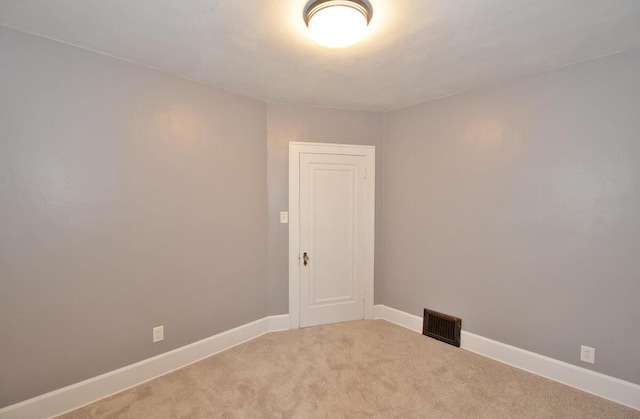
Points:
(442, 327)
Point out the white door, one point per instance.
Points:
(334, 252)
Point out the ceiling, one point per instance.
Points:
(415, 51)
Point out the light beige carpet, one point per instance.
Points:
(363, 369)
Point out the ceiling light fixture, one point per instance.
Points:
(337, 23)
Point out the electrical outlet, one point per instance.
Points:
(587, 354)
(158, 334)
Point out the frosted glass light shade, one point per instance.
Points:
(337, 24)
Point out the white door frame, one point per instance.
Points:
(295, 149)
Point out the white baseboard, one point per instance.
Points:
(96, 388)
(601, 385)
(279, 323)
(88, 391)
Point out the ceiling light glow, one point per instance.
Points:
(337, 23)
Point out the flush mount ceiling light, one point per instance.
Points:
(337, 23)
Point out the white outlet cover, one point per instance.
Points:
(158, 334)
(587, 354)
(284, 217)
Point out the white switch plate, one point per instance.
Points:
(284, 217)
(158, 334)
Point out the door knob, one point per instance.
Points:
(305, 258)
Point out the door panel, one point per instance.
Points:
(331, 212)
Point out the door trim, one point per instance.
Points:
(295, 149)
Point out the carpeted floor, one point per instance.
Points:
(363, 369)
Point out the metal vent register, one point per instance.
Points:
(442, 327)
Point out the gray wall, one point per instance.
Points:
(517, 208)
(287, 123)
(129, 198)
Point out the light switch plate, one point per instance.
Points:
(284, 217)
(158, 334)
